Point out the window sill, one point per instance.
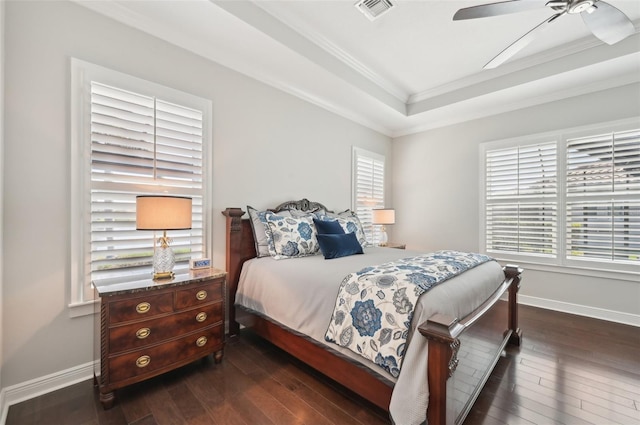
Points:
(572, 270)
(80, 309)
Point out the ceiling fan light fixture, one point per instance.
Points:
(581, 6)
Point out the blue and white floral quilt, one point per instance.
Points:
(374, 307)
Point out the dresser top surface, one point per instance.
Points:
(110, 287)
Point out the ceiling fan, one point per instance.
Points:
(603, 20)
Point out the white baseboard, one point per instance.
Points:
(581, 310)
(43, 385)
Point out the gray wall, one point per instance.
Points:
(436, 196)
(268, 147)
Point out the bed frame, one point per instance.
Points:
(443, 332)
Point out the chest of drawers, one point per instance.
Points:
(148, 327)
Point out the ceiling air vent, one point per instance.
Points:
(373, 9)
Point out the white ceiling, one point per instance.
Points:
(410, 70)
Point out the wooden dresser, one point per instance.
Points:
(145, 328)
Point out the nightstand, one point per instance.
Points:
(396, 245)
(145, 328)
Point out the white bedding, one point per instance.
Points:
(300, 294)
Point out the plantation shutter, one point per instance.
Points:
(603, 184)
(521, 192)
(368, 190)
(140, 145)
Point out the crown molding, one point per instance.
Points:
(495, 108)
(512, 78)
(273, 27)
(348, 59)
(319, 101)
(539, 59)
(507, 69)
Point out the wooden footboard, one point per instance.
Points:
(444, 333)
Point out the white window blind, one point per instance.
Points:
(368, 189)
(140, 145)
(521, 191)
(603, 197)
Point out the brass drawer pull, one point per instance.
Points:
(143, 307)
(142, 333)
(201, 295)
(200, 342)
(143, 361)
(201, 317)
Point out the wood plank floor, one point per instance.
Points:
(569, 370)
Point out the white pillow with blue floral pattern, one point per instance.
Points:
(261, 232)
(292, 236)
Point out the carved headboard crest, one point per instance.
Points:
(302, 205)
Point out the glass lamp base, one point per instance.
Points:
(163, 262)
(383, 237)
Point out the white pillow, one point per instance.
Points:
(292, 236)
(261, 232)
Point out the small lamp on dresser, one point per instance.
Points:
(384, 217)
(163, 213)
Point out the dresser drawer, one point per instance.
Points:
(148, 327)
(142, 307)
(195, 295)
(150, 359)
(151, 331)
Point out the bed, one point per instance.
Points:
(452, 350)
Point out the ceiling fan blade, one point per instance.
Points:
(520, 43)
(608, 23)
(493, 9)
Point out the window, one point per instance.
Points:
(368, 189)
(521, 193)
(132, 137)
(570, 200)
(603, 197)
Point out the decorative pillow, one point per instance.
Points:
(292, 237)
(328, 227)
(261, 232)
(350, 223)
(339, 245)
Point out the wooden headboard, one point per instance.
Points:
(241, 247)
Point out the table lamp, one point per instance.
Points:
(163, 213)
(383, 217)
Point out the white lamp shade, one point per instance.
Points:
(163, 212)
(384, 216)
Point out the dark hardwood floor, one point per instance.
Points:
(569, 370)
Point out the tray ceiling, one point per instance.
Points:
(410, 70)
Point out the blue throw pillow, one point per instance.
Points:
(339, 245)
(328, 227)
